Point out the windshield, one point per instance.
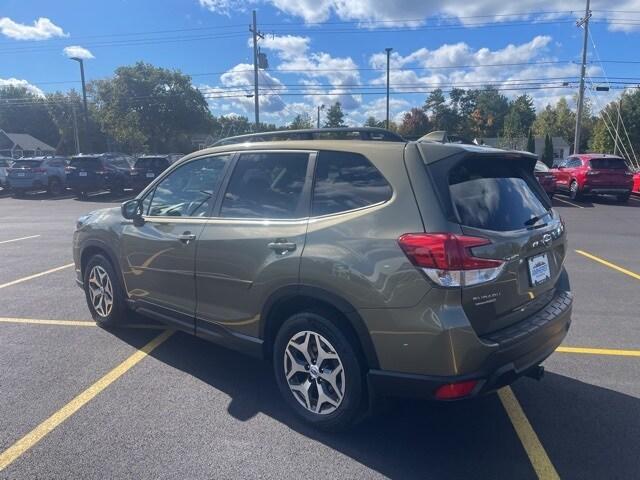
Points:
(494, 195)
(608, 163)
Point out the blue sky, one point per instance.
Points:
(321, 51)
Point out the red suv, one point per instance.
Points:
(546, 179)
(594, 174)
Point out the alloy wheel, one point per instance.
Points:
(314, 372)
(100, 291)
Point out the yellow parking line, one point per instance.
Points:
(71, 323)
(34, 436)
(568, 202)
(599, 351)
(609, 264)
(18, 239)
(31, 277)
(535, 451)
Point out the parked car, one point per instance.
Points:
(148, 167)
(636, 182)
(92, 173)
(594, 174)
(37, 173)
(360, 268)
(545, 178)
(5, 164)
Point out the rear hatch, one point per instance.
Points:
(609, 172)
(25, 169)
(85, 170)
(504, 220)
(147, 168)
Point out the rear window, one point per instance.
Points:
(88, 163)
(607, 163)
(152, 162)
(494, 195)
(541, 167)
(27, 163)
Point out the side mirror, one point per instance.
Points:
(132, 210)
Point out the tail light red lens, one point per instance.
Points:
(452, 391)
(447, 259)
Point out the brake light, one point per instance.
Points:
(452, 391)
(592, 172)
(69, 169)
(447, 258)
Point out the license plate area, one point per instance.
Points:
(150, 175)
(82, 174)
(539, 271)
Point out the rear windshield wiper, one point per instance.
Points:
(533, 220)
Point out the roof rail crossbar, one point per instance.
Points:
(361, 133)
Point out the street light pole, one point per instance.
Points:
(320, 107)
(388, 50)
(84, 99)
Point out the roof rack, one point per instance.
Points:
(361, 133)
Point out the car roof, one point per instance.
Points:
(588, 156)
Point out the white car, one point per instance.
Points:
(5, 163)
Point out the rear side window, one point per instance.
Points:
(494, 194)
(608, 163)
(541, 167)
(267, 185)
(346, 181)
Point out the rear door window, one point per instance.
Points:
(89, 163)
(27, 163)
(608, 163)
(346, 181)
(267, 185)
(493, 194)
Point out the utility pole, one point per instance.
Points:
(75, 128)
(320, 107)
(84, 99)
(256, 99)
(582, 22)
(388, 50)
(617, 139)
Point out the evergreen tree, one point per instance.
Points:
(547, 155)
(531, 142)
(335, 117)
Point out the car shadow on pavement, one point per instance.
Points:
(633, 202)
(588, 431)
(40, 195)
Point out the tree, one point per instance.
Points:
(441, 116)
(547, 154)
(149, 108)
(487, 119)
(415, 124)
(519, 119)
(531, 142)
(301, 121)
(335, 117)
(372, 122)
(559, 121)
(602, 139)
(22, 111)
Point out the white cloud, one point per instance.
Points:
(76, 51)
(225, 7)
(15, 82)
(42, 29)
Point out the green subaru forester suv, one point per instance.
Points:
(359, 264)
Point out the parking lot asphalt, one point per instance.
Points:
(78, 401)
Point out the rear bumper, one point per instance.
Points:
(26, 184)
(614, 190)
(86, 185)
(521, 348)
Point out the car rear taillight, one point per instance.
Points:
(447, 258)
(451, 391)
(591, 173)
(69, 169)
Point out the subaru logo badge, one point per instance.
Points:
(546, 239)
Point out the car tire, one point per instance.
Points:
(80, 194)
(333, 397)
(55, 187)
(104, 292)
(574, 191)
(624, 198)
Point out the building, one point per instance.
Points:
(561, 149)
(201, 140)
(16, 145)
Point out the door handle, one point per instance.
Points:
(282, 247)
(186, 237)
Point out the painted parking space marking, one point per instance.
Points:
(599, 351)
(568, 202)
(535, 451)
(609, 264)
(14, 452)
(18, 239)
(77, 323)
(31, 277)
